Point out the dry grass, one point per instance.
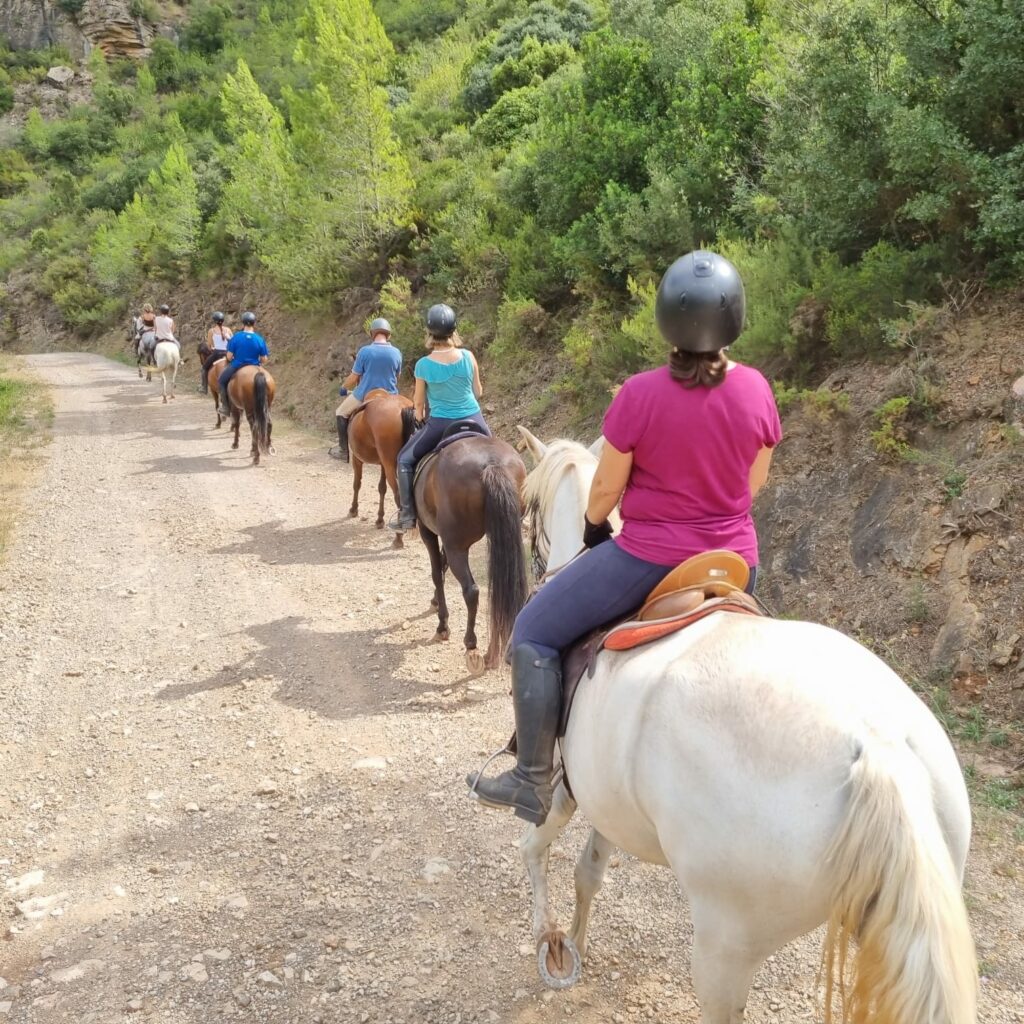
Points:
(26, 415)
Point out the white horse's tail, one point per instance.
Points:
(897, 893)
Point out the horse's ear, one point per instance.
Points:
(538, 449)
(597, 447)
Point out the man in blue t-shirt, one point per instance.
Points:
(246, 348)
(377, 366)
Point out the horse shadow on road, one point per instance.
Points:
(188, 465)
(319, 544)
(335, 675)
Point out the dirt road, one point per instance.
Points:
(231, 763)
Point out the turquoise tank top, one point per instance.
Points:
(449, 387)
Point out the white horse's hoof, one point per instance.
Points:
(474, 662)
(558, 961)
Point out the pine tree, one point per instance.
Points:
(171, 205)
(344, 136)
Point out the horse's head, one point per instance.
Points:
(555, 495)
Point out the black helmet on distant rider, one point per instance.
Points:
(441, 321)
(380, 326)
(248, 318)
(217, 318)
(700, 303)
(165, 309)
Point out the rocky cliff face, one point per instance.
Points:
(108, 24)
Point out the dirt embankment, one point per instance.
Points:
(902, 523)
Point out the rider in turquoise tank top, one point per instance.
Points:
(448, 382)
(449, 387)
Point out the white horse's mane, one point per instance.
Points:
(561, 457)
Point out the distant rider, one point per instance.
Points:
(164, 327)
(377, 367)
(448, 381)
(217, 338)
(246, 348)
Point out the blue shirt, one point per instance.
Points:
(449, 387)
(246, 347)
(378, 366)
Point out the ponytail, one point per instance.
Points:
(698, 369)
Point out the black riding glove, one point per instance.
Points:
(594, 535)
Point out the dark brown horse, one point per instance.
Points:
(376, 434)
(212, 376)
(472, 489)
(251, 391)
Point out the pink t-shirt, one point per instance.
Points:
(689, 487)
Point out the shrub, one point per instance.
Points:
(6, 92)
(890, 438)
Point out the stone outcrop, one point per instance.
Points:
(108, 24)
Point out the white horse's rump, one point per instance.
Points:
(168, 359)
(789, 778)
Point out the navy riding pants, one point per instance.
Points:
(602, 585)
(428, 437)
(228, 372)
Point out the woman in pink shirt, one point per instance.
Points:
(687, 447)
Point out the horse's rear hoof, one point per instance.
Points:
(441, 636)
(558, 961)
(474, 662)
(397, 544)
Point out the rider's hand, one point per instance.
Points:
(343, 392)
(595, 534)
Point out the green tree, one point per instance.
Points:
(343, 137)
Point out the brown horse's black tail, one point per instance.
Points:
(261, 411)
(506, 559)
(408, 423)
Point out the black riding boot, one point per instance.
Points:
(341, 452)
(225, 408)
(406, 518)
(536, 699)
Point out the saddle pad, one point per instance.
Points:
(634, 634)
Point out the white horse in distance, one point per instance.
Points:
(168, 359)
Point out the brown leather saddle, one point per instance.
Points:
(703, 585)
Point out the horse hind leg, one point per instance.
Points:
(357, 483)
(726, 955)
(236, 425)
(558, 960)
(458, 559)
(255, 450)
(437, 570)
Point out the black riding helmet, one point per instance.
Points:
(441, 320)
(218, 318)
(700, 303)
(248, 319)
(165, 309)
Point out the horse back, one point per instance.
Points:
(241, 387)
(450, 495)
(375, 430)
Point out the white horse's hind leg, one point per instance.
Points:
(590, 870)
(724, 960)
(558, 960)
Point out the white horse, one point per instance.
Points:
(168, 359)
(788, 777)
